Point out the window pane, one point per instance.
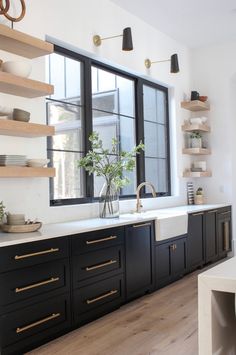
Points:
(130, 188)
(149, 103)
(156, 173)
(161, 106)
(69, 180)
(73, 80)
(155, 140)
(57, 75)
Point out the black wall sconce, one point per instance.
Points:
(127, 43)
(174, 63)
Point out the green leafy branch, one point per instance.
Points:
(109, 163)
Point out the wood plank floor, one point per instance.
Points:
(164, 322)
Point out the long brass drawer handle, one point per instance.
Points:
(213, 211)
(108, 294)
(101, 240)
(35, 324)
(198, 214)
(224, 213)
(110, 262)
(141, 225)
(21, 289)
(52, 250)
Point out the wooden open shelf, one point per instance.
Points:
(15, 85)
(195, 105)
(19, 171)
(197, 174)
(196, 151)
(25, 129)
(22, 44)
(195, 127)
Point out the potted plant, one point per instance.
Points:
(198, 199)
(110, 165)
(2, 211)
(195, 140)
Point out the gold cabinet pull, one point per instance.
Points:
(213, 211)
(224, 213)
(141, 225)
(52, 250)
(21, 289)
(198, 214)
(110, 262)
(173, 247)
(101, 240)
(108, 294)
(35, 324)
(226, 239)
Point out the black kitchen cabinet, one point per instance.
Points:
(210, 236)
(224, 231)
(195, 241)
(170, 261)
(139, 259)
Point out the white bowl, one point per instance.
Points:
(195, 120)
(22, 69)
(37, 163)
(204, 119)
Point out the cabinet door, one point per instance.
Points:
(139, 259)
(210, 236)
(163, 264)
(195, 251)
(178, 258)
(224, 232)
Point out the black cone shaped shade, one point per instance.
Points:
(127, 44)
(174, 63)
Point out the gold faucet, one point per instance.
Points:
(138, 203)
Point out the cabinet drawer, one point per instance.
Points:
(28, 254)
(35, 322)
(97, 263)
(90, 297)
(97, 240)
(33, 281)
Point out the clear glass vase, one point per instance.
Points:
(109, 201)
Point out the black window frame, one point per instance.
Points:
(87, 64)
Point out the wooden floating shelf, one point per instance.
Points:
(195, 105)
(25, 129)
(197, 174)
(196, 151)
(21, 172)
(195, 127)
(23, 44)
(15, 85)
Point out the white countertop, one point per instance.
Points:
(56, 230)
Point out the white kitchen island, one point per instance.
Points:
(216, 309)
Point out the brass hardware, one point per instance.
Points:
(138, 203)
(21, 289)
(35, 324)
(101, 240)
(224, 213)
(198, 214)
(97, 40)
(173, 247)
(112, 292)
(226, 236)
(214, 211)
(148, 62)
(52, 250)
(110, 262)
(141, 225)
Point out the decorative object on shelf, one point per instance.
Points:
(195, 140)
(194, 95)
(22, 69)
(28, 227)
(37, 163)
(4, 11)
(190, 193)
(199, 198)
(12, 160)
(15, 219)
(174, 63)
(127, 43)
(20, 115)
(2, 211)
(200, 165)
(203, 98)
(109, 164)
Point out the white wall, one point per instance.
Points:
(214, 74)
(75, 24)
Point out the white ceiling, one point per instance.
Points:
(192, 22)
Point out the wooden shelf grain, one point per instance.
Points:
(21, 172)
(25, 129)
(22, 44)
(197, 174)
(195, 127)
(195, 105)
(15, 85)
(196, 151)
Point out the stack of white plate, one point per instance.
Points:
(13, 160)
